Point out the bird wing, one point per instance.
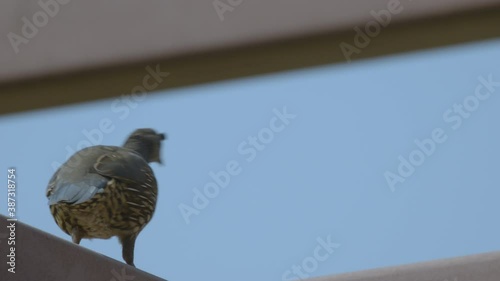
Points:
(124, 165)
(89, 171)
(66, 190)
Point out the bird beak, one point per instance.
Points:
(162, 137)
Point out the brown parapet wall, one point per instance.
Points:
(480, 267)
(42, 257)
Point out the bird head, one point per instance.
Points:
(147, 142)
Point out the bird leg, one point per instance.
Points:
(128, 244)
(76, 235)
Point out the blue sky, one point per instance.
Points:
(319, 178)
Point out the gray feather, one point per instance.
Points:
(77, 192)
(124, 165)
(88, 172)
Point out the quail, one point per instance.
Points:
(106, 191)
